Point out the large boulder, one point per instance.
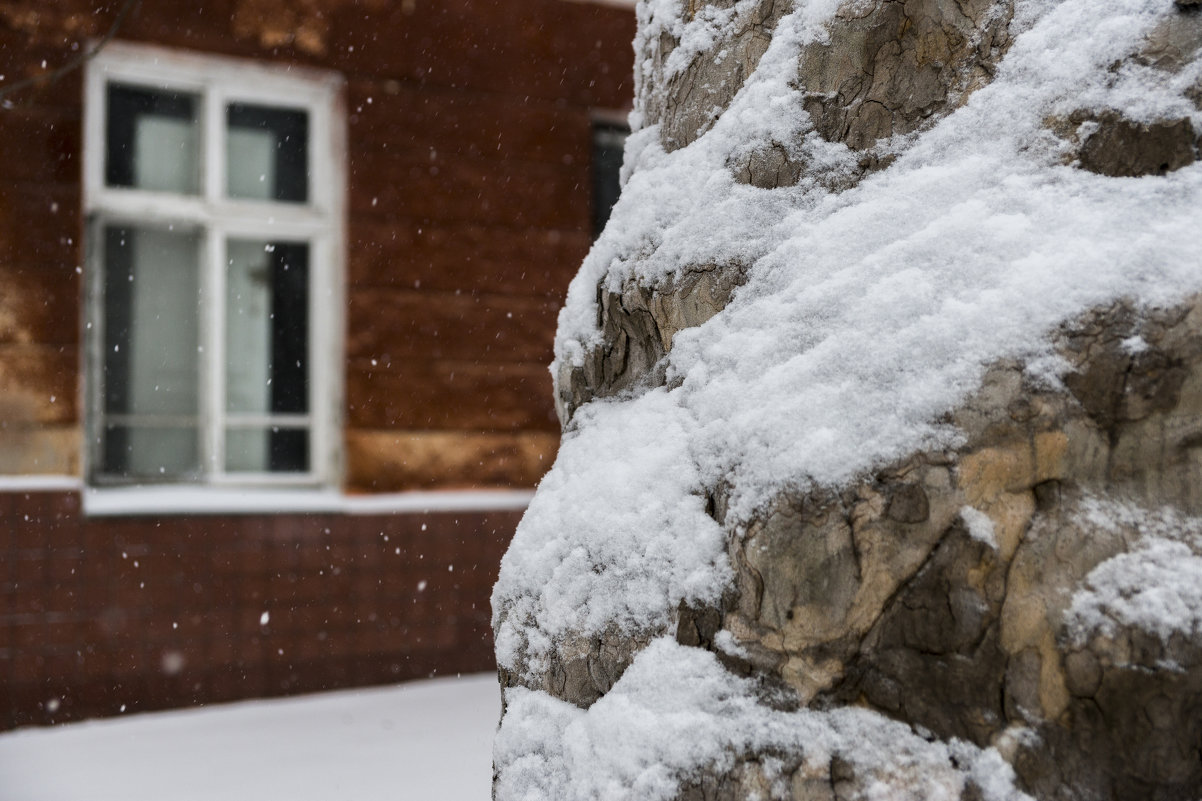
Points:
(882, 403)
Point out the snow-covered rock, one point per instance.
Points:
(882, 389)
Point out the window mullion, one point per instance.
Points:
(94, 329)
(214, 145)
(212, 361)
(213, 303)
(319, 361)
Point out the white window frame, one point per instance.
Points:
(217, 81)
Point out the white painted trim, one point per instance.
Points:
(186, 500)
(47, 483)
(320, 222)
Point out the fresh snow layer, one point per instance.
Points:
(676, 711)
(1156, 587)
(867, 314)
(634, 541)
(422, 740)
(979, 525)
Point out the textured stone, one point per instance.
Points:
(686, 103)
(936, 590)
(925, 623)
(891, 66)
(1107, 143)
(1120, 147)
(879, 595)
(580, 669)
(638, 325)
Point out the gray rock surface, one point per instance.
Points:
(890, 67)
(686, 101)
(638, 325)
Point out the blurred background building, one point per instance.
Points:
(278, 287)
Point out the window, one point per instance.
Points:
(213, 192)
(609, 140)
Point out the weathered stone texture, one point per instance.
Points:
(638, 324)
(580, 669)
(936, 590)
(891, 66)
(1107, 143)
(686, 103)
(882, 596)
(888, 68)
(1121, 148)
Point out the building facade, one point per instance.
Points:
(278, 286)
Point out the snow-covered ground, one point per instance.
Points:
(429, 739)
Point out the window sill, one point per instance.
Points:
(168, 501)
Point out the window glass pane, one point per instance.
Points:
(151, 334)
(267, 153)
(262, 450)
(267, 322)
(151, 452)
(151, 321)
(152, 140)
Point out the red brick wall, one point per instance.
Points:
(100, 616)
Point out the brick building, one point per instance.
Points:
(278, 285)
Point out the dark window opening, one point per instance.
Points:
(609, 140)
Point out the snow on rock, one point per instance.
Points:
(837, 383)
(980, 527)
(869, 313)
(677, 719)
(616, 542)
(1156, 587)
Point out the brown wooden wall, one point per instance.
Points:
(468, 169)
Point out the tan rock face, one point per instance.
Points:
(581, 669)
(1110, 144)
(935, 591)
(890, 595)
(887, 68)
